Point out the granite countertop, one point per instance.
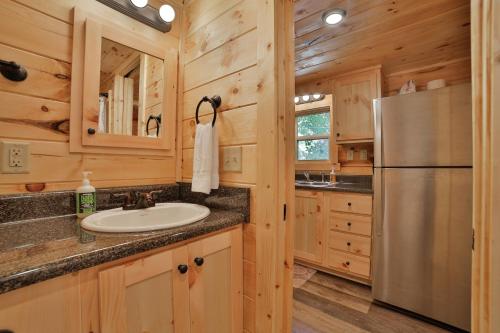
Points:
(364, 188)
(44, 248)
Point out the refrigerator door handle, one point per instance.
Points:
(379, 191)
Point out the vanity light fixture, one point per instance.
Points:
(167, 13)
(139, 3)
(333, 16)
(296, 99)
(140, 10)
(317, 96)
(306, 98)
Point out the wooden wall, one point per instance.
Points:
(38, 35)
(219, 54)
(231, 48)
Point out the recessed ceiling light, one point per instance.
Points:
(167, 13)
(333, 16)
(139, 3)
(296, 99)
(305, 98)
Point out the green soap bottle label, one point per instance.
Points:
(86, 203)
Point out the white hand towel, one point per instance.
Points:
(205, 159)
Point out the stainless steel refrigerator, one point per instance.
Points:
(423, 203)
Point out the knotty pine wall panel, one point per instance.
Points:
(38, 35)
(219, 57)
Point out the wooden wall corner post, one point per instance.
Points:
(274, 260)
(485, 25)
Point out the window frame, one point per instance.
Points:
(322, 106)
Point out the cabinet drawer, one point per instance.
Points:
(355, 224)
(351, 203)
(360, 245)
(349, 263)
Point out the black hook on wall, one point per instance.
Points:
(215, 101)
(157, 119)
(12, 71)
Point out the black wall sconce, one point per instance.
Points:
(158, 19)
(12, 71)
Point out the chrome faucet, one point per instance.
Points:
(307, 175)
(138, 200)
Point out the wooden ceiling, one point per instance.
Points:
(399, 34)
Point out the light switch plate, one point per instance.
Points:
(14, 157)
(363, 154)
(232, 159)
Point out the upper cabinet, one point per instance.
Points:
(353, 105)
(126, 100)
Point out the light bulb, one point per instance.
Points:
(139, 3)
(305, 98)
(333, 16)
(296, 99)
(317, 96)
(167, 13)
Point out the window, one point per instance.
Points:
(313, 135)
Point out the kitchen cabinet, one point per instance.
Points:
(193, 288)
(353, 105)
(333, 232)
(309, 225)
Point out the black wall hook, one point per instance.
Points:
(12, 71)
(157, 119)
(215, 101)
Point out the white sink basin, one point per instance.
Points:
(162, 216)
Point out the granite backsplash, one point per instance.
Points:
(20, 207)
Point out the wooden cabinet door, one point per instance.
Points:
(309, 233)
(146, 295)
(215, 283)
(353, 110)
(49, 306)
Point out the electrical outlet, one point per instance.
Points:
(14, 157)
(232, 159)
(363, 154)
(350, 154)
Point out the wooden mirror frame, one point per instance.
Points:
(89, 30)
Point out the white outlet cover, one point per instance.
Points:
(14, 157)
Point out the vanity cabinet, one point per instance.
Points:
(353, 105)
(194, 286)
(309, 226)
(333, 232)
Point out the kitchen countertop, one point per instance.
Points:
(364, 188)
(40, 249)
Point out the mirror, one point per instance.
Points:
(131, 91)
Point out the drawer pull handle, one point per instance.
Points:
(349, 204)
(182, 268)
(199, 261)
(348, 243)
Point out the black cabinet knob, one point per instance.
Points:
(347, 263)
(182, 268)
(349, 204)
(349, 224)
(199, 261)
(348, 243)
(91, 131)
(338, 134)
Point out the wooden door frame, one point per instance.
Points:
(485, 40)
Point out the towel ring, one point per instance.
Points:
(158, 122)
(215, 101)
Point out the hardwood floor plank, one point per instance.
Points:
(342, 285)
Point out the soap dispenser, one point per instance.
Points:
(85, 197)
(333, 177)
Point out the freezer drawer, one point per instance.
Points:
(429, 128)
(423, 239)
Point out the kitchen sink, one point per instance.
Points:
(162, 216)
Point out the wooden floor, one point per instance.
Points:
(333, 305)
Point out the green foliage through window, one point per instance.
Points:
(313, 137)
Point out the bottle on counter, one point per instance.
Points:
(333, 177)
(85, 197)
